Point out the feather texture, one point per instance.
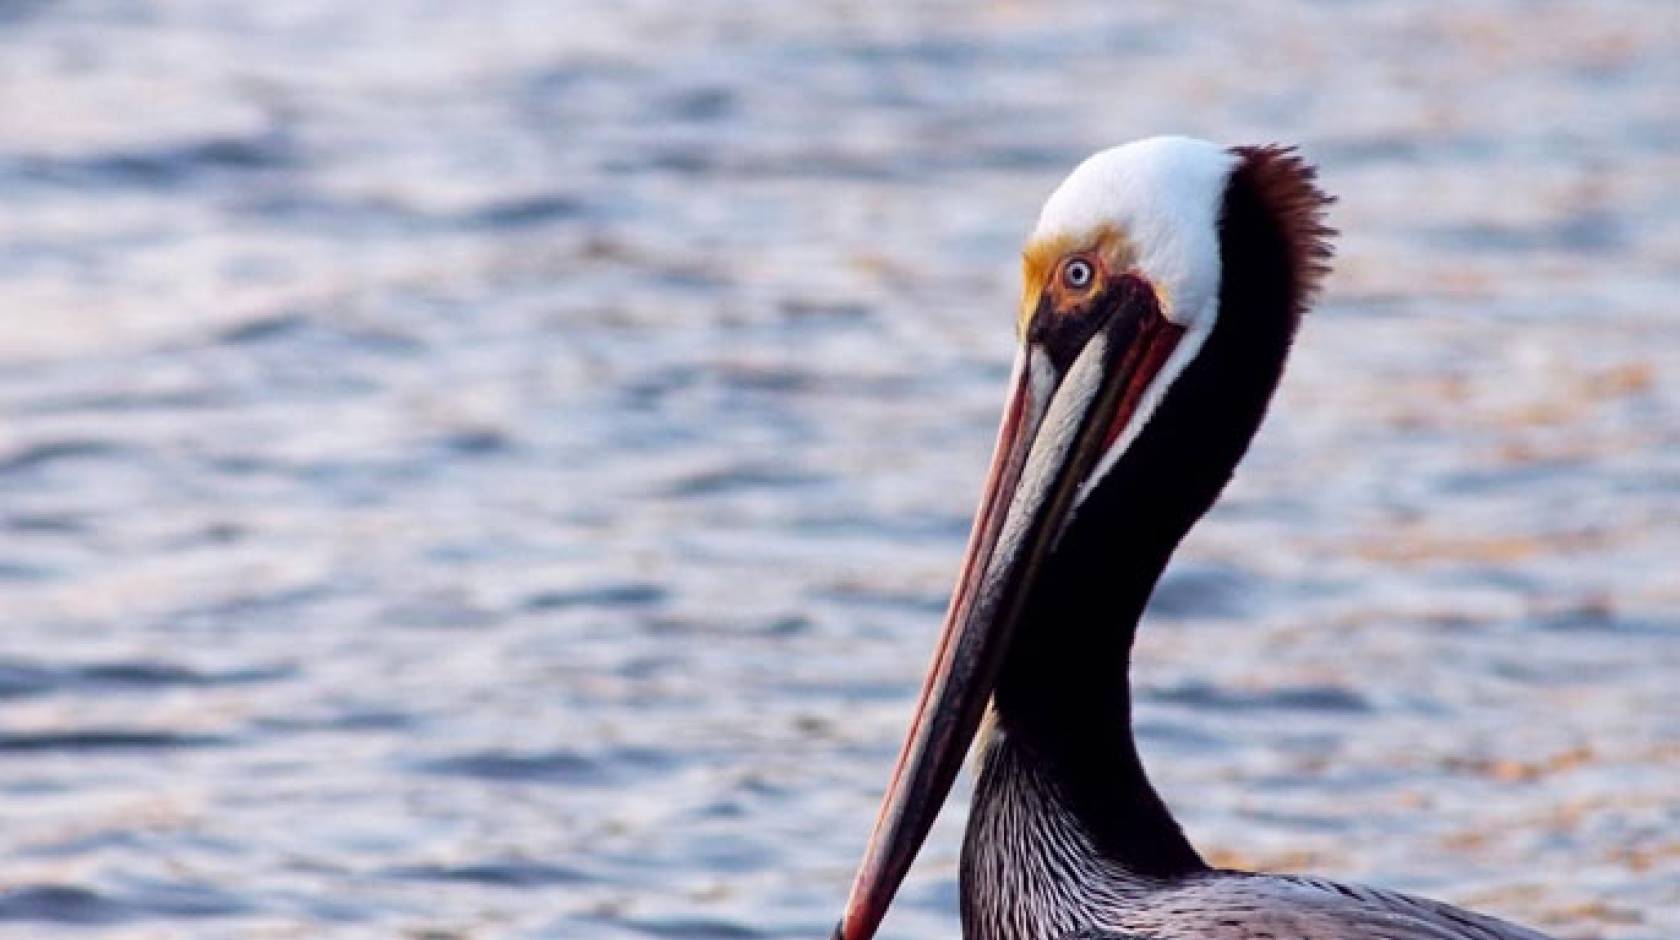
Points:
(1031, 872)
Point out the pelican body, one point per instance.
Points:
(1162, 289)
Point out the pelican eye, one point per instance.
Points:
(1078, 274)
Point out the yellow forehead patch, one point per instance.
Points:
(1043, 256)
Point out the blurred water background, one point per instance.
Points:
(495, 470)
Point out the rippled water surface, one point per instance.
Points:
(494, 470)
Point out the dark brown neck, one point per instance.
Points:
(1064, 697)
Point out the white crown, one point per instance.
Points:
(1163, 194)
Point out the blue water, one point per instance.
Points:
(495, 470)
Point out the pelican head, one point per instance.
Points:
(1161, 289)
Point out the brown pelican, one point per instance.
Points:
(1163, 286)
